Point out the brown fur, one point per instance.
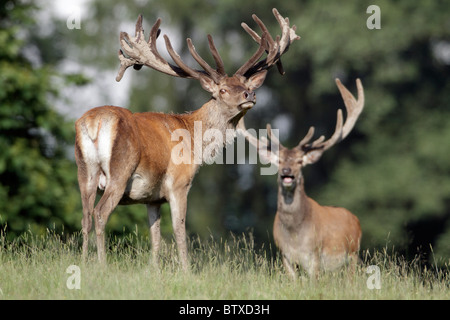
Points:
(310, 235)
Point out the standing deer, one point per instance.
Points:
(310, 235)
(128, 156)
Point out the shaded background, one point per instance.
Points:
(392, 171)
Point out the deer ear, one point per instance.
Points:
(312, 157)
(208, 84)
(256, 80)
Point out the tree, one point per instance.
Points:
(38, 187)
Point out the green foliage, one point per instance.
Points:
(38, 182)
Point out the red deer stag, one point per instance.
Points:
(128, 156)
(310, 235)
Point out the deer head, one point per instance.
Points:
(291, 161)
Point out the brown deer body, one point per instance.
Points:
(309, 235)
(129, 156)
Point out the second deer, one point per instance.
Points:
(309, 235)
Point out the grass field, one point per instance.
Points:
(36, 267)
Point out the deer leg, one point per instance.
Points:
(353, 261)
(289, 268)
(314, 267)
(103, 209)
(178, 206)
(155, 230)
(87, 180)
(88, 201)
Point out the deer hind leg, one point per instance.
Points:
(102, 211)
(116, 179)
(87, 179)
(88, 188)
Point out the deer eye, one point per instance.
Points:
(223, 91)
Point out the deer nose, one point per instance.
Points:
(286, 171)
(249, 95)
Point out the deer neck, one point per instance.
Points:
(216, 130)
(212, 117)
(293, 204)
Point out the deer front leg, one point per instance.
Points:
(178, 206)
(313, 266)
(155, 230)
(289, 268)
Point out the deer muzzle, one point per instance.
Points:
(250, 100)
(287, 178)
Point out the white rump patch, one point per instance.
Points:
(97, 153)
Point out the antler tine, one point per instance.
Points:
(125, 63)
(154, 34)
(251, 62)
(220, 67)
(177, 59)
(320, 143)
(336, 137)
(251, 32)
(306, 139)
(215, 75)
(264, 29)
(139, 30)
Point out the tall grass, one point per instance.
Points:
(34, 267)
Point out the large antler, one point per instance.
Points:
(137, 52)
(354, 108)
(274, 48)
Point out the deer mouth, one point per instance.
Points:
(287, 180)
(246, 105)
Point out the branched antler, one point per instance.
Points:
(137, 52)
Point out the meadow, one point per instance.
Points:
(38, 267)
